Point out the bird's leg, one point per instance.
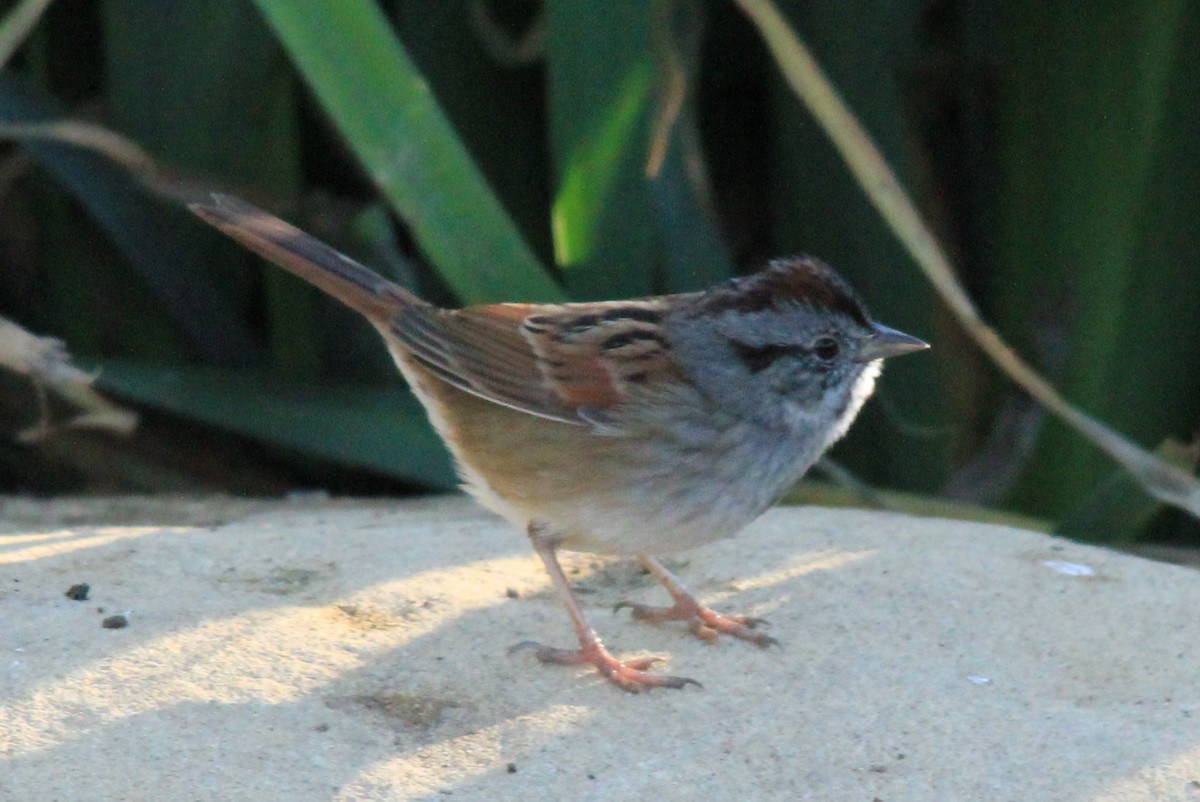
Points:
(628, 676)
(705, 624)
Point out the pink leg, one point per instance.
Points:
(631, 676)
(704, 623)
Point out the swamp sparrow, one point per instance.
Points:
(624, 427)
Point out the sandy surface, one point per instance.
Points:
(357, 651)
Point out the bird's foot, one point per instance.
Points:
(705, 624)
(631, 675)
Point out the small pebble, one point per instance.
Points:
(78, 591)
(115, 622)
(512, 768)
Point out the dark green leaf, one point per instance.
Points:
(1097, 217)
(151, 235)
(1118, 510)
(383, 429)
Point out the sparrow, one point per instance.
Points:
(641, 427)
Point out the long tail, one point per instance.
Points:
(355, 285)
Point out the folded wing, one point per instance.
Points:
(570, 362)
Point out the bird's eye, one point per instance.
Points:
(826, 349)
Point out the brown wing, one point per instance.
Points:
(567, 362)
(572, 362)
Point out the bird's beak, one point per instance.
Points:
(887, 342)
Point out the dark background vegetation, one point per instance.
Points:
(1054, 146)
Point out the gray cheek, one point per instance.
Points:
(720, 375)
(799, 384)
(707, 358)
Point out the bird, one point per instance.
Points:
(639, 427)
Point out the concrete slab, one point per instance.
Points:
(357, 651)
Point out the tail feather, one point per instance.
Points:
(355, 285)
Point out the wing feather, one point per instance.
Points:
(567, 362)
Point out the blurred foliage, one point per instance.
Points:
(518, 150)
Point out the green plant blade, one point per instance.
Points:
(382, 429)
(225, 106)
(696, 254)
(497, 107)
(152, 235)
(1096, 121)
(223, 98)
(601, 87)
(19, 21)
(1118, 509)
(382, 105)
(618, 232)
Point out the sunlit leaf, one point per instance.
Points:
(382, 105)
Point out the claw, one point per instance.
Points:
(629, 675)
(706, 624)
(632, 676)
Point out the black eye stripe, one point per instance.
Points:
(758, 358)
